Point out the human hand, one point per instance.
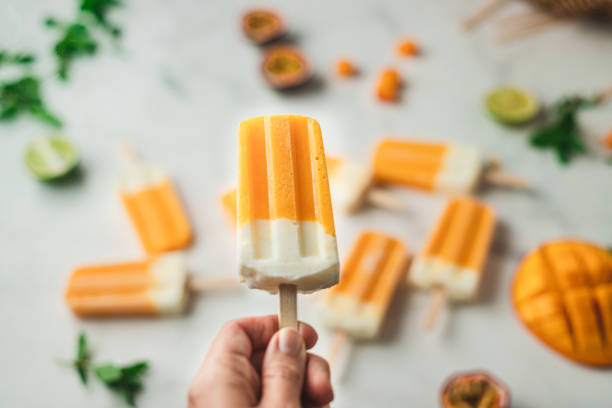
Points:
(252, 364)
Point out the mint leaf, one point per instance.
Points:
(83, 355)
(76, 41)
(23, 96)
(561, 133)
(126, 381)
(99, 9)
(108, 373)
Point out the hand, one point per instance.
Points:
(252, 364)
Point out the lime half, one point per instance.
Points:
(512, 105)
(50, 158)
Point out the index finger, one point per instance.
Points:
(249, 334)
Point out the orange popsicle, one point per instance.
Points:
(155, 209)
(359, 303)
(156, 286)
(454, 256)
(428, 166)
(285, 229)
(228, 202)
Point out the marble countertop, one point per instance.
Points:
(181, 79)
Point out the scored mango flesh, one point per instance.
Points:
(563, 293)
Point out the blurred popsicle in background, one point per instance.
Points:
(443, 167)
(357, 306)
(157, 286)
(453, 259)
(153, 206)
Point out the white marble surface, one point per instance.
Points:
(177, 87)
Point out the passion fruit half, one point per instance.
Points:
(475, 389)
(262, 26)
(285, 67)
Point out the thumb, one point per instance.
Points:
(283, 368)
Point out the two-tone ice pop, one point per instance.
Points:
(372, 272)
(285, 229)
(154, 207)
(352, 187)
(443, 167)
(158, 286)
(452, 261)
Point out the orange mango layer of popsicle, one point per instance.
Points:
(155, 209)
(429, 166)
(285, 228)
(156, 286)
(372, 272)
(456, 251)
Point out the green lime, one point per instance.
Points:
(512, 105)
(50, 158)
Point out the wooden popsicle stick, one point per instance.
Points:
(384, 199)
(499, 178)
(195, 284)
(519, 19)
(338, 354)
(128, 152)
(482, 14)
(287, 313)
(604, 94)
(438, 298)
(527, 29)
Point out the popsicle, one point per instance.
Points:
(285, 230)
(154, 207)
(372, 272)
(453, 259)
(157, 286)
(352, 187)
(443, 167)
(228, 202)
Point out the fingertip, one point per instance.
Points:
(318, 380)
(309, 334)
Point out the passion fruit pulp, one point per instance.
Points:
(262, 26)
(285, 67)
(474, 390)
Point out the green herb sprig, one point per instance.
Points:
(82, 361)
(561, 132)
(126, 381)
(76, 41)
(77, 38)
(23, 95)
(100, 9)
(18, 58)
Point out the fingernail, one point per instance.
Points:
(289, 341)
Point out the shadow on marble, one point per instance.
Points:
(74, 179)
(314, 85)
(396, 315)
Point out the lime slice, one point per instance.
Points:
(50, 158)
(512, 105)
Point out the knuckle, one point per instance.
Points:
(284, 373)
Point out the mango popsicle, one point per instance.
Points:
(352, 187)
(443, 167)
(159, 285)
(153, 287)
(455, 253)
(154, 208)
(372, 272)
(285, 228)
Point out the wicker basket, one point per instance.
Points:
(577, 8)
